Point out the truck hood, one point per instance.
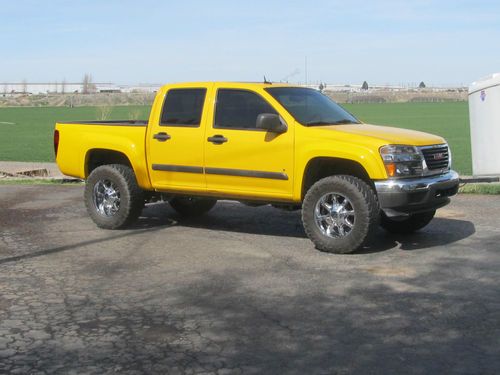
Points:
(389, 135)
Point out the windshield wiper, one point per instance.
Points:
(344, 121)
(312, 123)
(338, 122)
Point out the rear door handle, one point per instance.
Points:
(162, 137)
(217, 139)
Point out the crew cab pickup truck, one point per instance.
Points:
(260, 143)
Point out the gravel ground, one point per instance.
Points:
(241, 290)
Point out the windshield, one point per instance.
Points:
(310, 107)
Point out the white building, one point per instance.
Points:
(142, 87)
(13, 88)
(7, 88)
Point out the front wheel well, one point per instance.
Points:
(96, 158)
(322, 167)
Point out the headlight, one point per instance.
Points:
(402, 161)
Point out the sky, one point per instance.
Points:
(130, 42)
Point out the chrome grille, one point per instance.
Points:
(436, 157)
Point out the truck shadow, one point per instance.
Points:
(268, 221)
(440, 232)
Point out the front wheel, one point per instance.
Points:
(112, 196)
(339, 213)
(408, 224)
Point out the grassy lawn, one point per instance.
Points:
(26, 133)
(493, 189)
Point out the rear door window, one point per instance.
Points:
(183, 107)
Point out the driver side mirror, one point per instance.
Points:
(271, 122)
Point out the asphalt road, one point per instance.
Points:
(242, 290)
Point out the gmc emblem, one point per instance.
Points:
(439, 156)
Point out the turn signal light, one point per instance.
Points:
(391, 169)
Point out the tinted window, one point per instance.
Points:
(183, 107)
(238, 109)
(310, 107)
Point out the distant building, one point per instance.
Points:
(19, 88)
(107, 89)
(44, 88)
(142, 87)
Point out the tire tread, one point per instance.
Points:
(130, 208)
(350, 244)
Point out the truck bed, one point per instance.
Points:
(79, 141)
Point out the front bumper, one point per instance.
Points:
(407, 196)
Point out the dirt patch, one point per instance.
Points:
(35, 173)
(41, 172)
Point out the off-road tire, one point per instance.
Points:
(131, 197)
(191, 207)
(364, 203)
(408, 225)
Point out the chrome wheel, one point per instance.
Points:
(334, 215)
(106, 198)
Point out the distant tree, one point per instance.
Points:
(63, 86)
(24, 85)
(422, 85)
(5, 88)
(56, 87)
(87, 84)
(365, 86)
(321, 87)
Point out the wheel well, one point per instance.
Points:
(96, 158)
(319, 168)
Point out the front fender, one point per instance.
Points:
(366, 157)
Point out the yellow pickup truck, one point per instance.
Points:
(260, 143)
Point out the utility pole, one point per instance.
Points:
(305, 63)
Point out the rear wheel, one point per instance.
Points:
(190, 206)
(408, 224)
(339, 213)
(112, 196)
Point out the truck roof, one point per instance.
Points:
(230, 84)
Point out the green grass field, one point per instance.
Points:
(26, 133)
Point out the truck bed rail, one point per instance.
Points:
(109, 123)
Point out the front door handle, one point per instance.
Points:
(217, 139)
(162, 137)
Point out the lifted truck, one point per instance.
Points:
(260, 143)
